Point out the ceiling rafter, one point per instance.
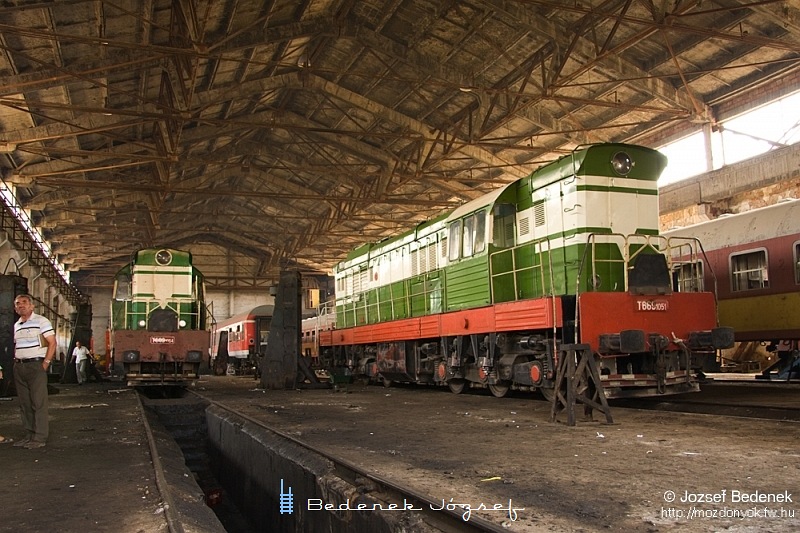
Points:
(285, 133)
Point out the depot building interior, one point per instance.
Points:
(266, 147)
(278, 136)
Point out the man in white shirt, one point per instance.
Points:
(3, 439)
(81, 357)
(34, 348)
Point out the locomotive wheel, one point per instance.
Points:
(456, 385)
(499, 390)
(548, 394)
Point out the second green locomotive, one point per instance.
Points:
(485, 295)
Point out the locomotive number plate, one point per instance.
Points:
(652, 305)
(162, 339)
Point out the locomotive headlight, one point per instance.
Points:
(622, 163)
(130, 356)
(194, 356)
(142, 323)
(163, 257)
(182, 323)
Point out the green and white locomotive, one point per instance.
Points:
(159, 321)
(484, 296)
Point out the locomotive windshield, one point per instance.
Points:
(122, 289)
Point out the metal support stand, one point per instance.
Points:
(578, 380)
(306, 377)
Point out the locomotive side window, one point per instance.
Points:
(473, 238)
(469, 235)
(503, 225)
(122, 291)
(480, 231)
(455, 241)
(749, 271)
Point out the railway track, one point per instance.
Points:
(437, 514)
(711, 408)
(762, 400)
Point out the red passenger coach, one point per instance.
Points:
(242, 338)
(755, 257)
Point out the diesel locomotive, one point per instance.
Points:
(486, 295)
(159, 320)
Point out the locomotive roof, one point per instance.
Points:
(589, 158)
(261, 310)
(478, 203)
(422, 229)
(596, 159)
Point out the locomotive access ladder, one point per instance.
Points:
(578, 381)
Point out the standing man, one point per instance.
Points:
(34, 348)
(3, 439)
(81, 356)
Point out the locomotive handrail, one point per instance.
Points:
(706, 265)
(625, 258)
(685, 249)
(546, 291)
(131, 314)
(535, 268)
(627, 255)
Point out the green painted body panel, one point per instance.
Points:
(467, 284)
(148, 257)
(389, 302)
(532, 281)
(427, 294)
(393, 303)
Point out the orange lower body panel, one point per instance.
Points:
(512, 316)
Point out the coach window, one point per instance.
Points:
(689, 277)
(797, 262)
(455, 241)
(749, 271)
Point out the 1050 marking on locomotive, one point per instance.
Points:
(652, 305)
